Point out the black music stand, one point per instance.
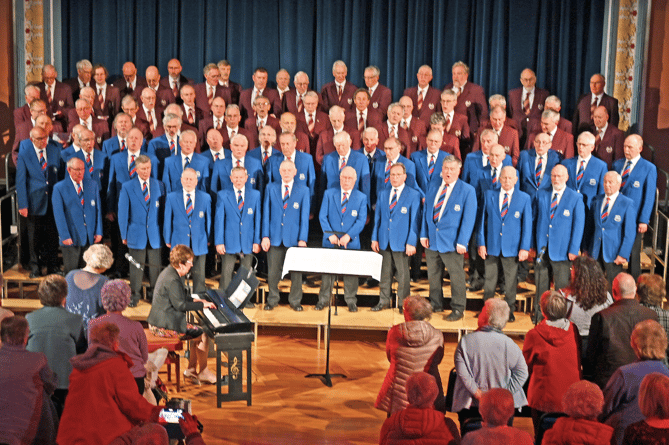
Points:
(336, 262)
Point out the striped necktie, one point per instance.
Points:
(430, 167)
(342, 164)
(265, 157)
(439, 204)
(89, 164)
(80, 193)
(605, 210)
(505, 205)
(145, 191)
(186, 163)
(387, 178)
(42, 161)
(122, 144)
(216, 156)
(189, 207)
(344, 201)
(579, 174)
(493, 173)
(173, 148)
(286, 195)
(393, 201)
(240, 200)
(537, 171)
(132, 171)
(626, 173)
(554, 203)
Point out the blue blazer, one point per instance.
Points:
(592, 183)
(457, 221)
(287, 226)
(174, 168)
(220, 176)
(111, 146)
(177, 229)
(256, 153)
(525, 166)
(506, 238)
(33, 188)
(403, 225)
(330, 172)
(140, 222)
(564, 232)
(304, 163)
(616, 235)
(481, 180)
(118, 175)
(640, 187)
(100, 172)
(237, 230)
(423, 179)
(352, 222)
(380, 175)
(473, 161)
(160, 149)
(74, 221)
(68, 152)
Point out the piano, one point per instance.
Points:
(232, 333)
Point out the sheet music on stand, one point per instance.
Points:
(333, 261)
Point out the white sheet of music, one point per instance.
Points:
(333, 261)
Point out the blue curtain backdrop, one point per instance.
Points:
(560, 39)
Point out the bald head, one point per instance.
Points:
(623, 287)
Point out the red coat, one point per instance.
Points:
(554, 364)
(568, 431)
(415, 426)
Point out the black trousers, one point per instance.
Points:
(42, 238)
(228, 260)
(73, 257)
(510, 270)
(275, 257)
(142, 256)
(455, 264)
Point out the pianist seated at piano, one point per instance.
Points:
(168, 312)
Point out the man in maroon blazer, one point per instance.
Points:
(338, 92)
(381, 96)
(289, 124)
(425, 98)
(216, 120)
(526, 102)
(416, 127)
(282, 84)
(507, 137)
(149, 112)
(164, 96)
(174, 81)
(588, 102)
(83, 79)
(314, 120)
(37, 108)
(130, 107)
(363, 115)
(450, 144)
(232, 119)
(259, 119)
(609, 140)
(293, 100)
(325, 144)
(92, 123)
(210, 88)
(392, 128)
(456, 124)
(22, 114)
(561, 142)
(107, 98)
(259, 88)
(471, 97)
(57, 95)
(130, 82)
(233, 89)
(552, 103)
(192, 114)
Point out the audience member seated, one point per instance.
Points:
(103, 402)
(551, 353)
(588, 292)
(411, 347)
(57, 333)
(651, 292)
(419, 423)
(115, 296)
(496, 406)
(621, 405)
(28, 414)
(582, 402)
(83, 285)
(654, 404)
(487, 359)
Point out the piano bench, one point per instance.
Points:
(172, 345)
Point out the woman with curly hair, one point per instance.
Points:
(651, 292)
(588, 293)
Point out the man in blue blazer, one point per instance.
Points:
(38, 169)
(175, 165)
(479, 159)
(428, 162)
(560, 217)
(395, 234)
(534, 164)
(342, 216)
(392, 148)
(141, 206)
(446, 228)
(614, 218)
(237, 225)
(344, 156)
(370, 148)
(586, 176)
(78, 214)
(285, 224)
(188, 222)
(639, 182)
(304, 164)
(168, 144)
(504, 235)
(263, 153)
(122, 124)
(220, 176)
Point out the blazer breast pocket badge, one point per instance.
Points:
(252, 180)
(354, 213)
(157, 203)
(617, 218)
(404, 210)
(296, 205)
(516, 215)
(302, 177)
(636, 184)
(201, 214)
(250, 211)
(92, 202)
(593, 181)
(457, 207)
(566, 213)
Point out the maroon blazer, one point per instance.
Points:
(21, 115)
(321, 123)
(290, 102)
(61, 101)
(610, 148)
(417, 135)
(204, 126)
(246, 107)
(325, 144)
(515, 105)
(197, 115)
(183, 80)
(381, 100)
(100, 128)
(123, 89)
(111, 106)
(534, 126)
(302, 143)
(403, 135)
(201, 100)
(142, 125)
(508, 139)
(451, 145)
(226, 138)
(330, 98)
(234, 90)
(563, 143)
(472, 103)
(583, 122)
(459, 127)
(374, 119)
(252, 129)
(431, 103)
(22, 132)
(141, 117)
(73, 83)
